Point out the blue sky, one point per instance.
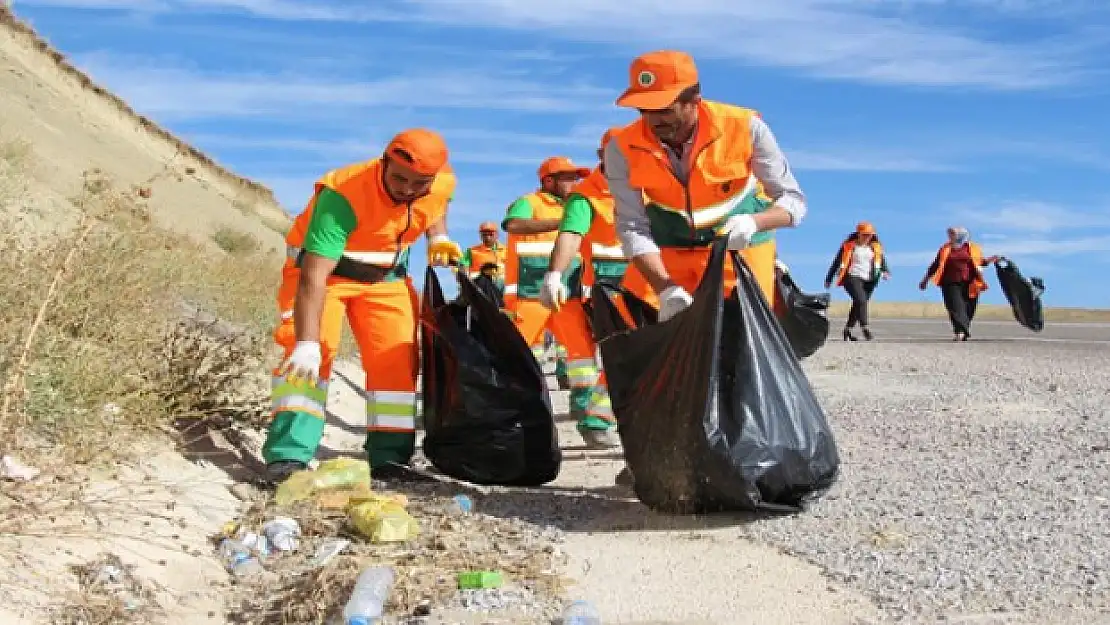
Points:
(913, 114)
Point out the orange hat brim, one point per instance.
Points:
(650, 100)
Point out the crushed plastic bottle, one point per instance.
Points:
(581, 613)
(367, 602)
(238, 559)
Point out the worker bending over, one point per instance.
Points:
(689, 170)
(365, 217)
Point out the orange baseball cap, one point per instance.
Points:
(561, 165)
(422, 150)
(656, 78)
(865, 227)
(487, 226)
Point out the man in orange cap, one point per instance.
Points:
(365, 218)
(587, 229)
(489, 251)
(533, 225)
(690, 170)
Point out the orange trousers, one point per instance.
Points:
(571, 330)
(382, 318)
(687, 266)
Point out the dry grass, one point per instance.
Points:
(253, 196)
(236, 242)
(100, 334)
(935, 310)
(425, 567)
(109, 593)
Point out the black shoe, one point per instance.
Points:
(867, 333)
(848, 336)
(279, 470)
(624, 478)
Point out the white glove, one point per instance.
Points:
(781, 266)
(673, 300)
(740, 230)
(303, 363)
(553, 294)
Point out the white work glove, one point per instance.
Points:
(553, 294)
(303, 363)
(673, 300)
(740, 230)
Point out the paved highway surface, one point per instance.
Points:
(930, 330)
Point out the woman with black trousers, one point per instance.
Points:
(956, 270)
(857, 266)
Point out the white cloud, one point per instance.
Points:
(859, 40)
(181, 93)
(1034, 216)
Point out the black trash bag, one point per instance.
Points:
(487, 415)
(713, 408)
(1024, 294)
(602, 324)
(486, 285)
(804, 317)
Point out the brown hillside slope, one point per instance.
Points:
(71, 124)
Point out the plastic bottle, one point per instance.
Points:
(581, 613)
(367, 602)
(238, 559)
(459, 505)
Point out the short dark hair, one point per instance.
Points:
(689, 94)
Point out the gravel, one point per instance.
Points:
(976, 477)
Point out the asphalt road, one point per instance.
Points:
(938, 330)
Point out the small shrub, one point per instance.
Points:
(236, 242)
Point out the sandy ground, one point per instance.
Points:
(639, 567)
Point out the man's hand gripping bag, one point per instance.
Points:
(487, 416)
(713, 408)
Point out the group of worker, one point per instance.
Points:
(686, 172)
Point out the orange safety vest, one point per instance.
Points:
(384, 230)
(480, 255)
(528, 255)
(602, 256)
(720, 184)
(846, 259)
(978, 285)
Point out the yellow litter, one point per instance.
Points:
(383, 519)
(331, 474)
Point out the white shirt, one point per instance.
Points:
(863, 258)
(769, 166)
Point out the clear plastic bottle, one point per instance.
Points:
(367, 602)
(581, 613)
(238, 559)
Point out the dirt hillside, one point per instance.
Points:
(71, 125)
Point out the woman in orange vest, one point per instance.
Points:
(956, 270)
(858, 266)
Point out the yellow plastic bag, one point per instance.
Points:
(383, 519)
(331, 474)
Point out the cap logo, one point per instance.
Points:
(646, 79)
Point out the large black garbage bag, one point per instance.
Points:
(487, 415)
(602, 322)
(804, 316)
(713, 408)
(1024, 294)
